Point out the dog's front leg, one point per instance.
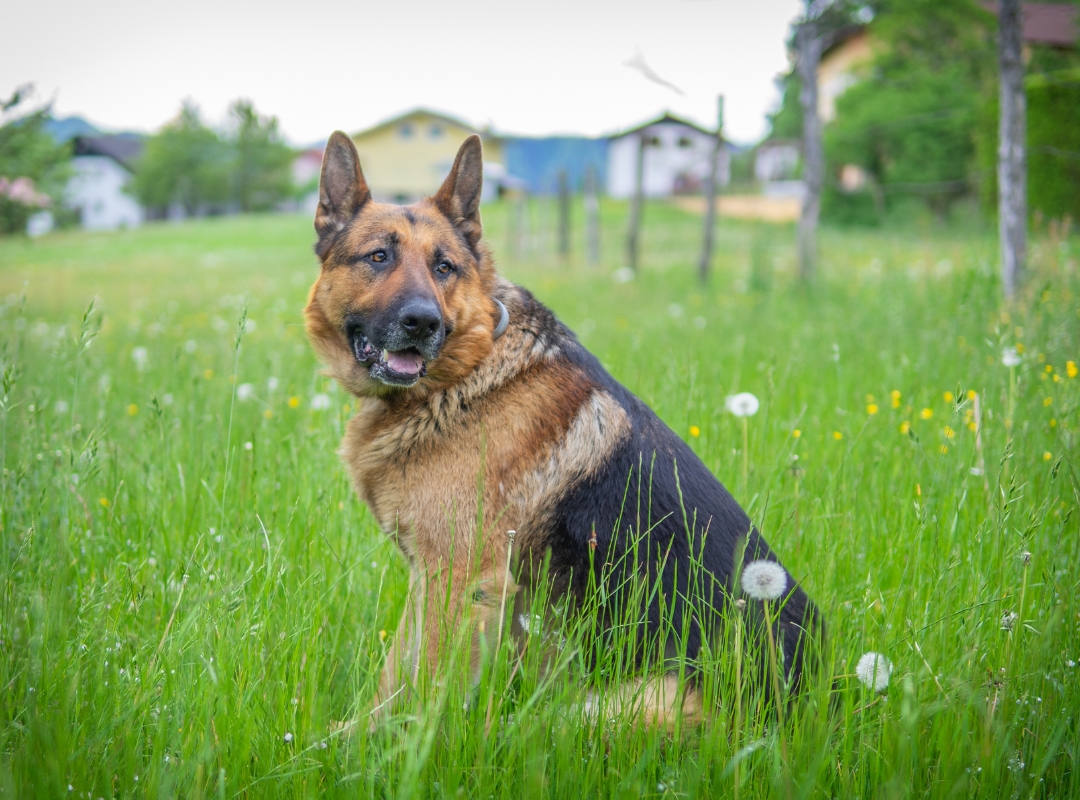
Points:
(402, 668)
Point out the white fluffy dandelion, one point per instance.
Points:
(272, 384)
(1010, 357)
(742, 404)
(141, 356)
(288, 738)
(764, 580)
(874, 671)
(320, 402)
(244, 391)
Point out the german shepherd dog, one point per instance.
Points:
(474, 396)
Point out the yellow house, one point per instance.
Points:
(408, 157)
(839, 68)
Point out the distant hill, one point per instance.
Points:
(66, 129)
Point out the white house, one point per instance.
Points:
(103, 167)
(676, 158)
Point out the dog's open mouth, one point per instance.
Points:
(394, 368)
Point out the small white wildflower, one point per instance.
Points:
(624, 275)
(742, 404)
(190, 345)
(61, 407)
(976, 471)
(1008, 620)
(244, 392)
(764, 580)
(675, 310)
(249, 325)
(288, 738)
(141, 357)
(1016, 763)
(320, 402)
(166, 399)
(1009, 357)
(249, 446)
(272, 384)
(1070, 663)
(1025, 558)
(874, 671)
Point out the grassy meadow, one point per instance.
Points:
(192, 597)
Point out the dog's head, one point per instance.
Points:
(403, 301)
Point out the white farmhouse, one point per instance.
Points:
(103, 167)
(676, 158)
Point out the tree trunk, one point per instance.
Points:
(711, 180)
(808, 56)
(1012, 151)
(634, 228)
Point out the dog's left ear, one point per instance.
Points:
(459, 196)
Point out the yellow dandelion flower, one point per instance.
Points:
(949, 432)
(1049, 368)
(132, 410)
(1047, 456)
(949, 397)
(918, 490)
(944, 449)
(1056, 378)
(1070, 369)
(905, 427)
(837, 435)
(895, 395)
(972, 426)
(972, 394)
(267, 413)
(926, 413)
(1053, 423)
(795, 434)
(104, 502)
(1019, 347)
(1047, 401)
(695, 430)
(871, 408)
(208, 374)
(294, 402)
(382, 635)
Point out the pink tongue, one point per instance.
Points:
(405, 363)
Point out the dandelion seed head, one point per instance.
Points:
(272, 384)
(141, 356)
(743, 404)
(764, 580)
(244, 392)
(1010, 357)
(321, 402)
(874, 670)
(288, 738)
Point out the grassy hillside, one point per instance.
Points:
(192, 596)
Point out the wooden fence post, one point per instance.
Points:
(711, 181)
(1012, 150)
(634, 227)
(592, 217)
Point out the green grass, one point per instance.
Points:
(187, 577)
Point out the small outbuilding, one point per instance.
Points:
(676, 158)
(103, 167)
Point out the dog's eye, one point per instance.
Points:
(444, 268)
(379, 256)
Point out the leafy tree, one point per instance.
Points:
(33, 167)
(185, 162)
(909, 122)
(261, 175)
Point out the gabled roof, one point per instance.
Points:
(449, 120)
(667, 118)
(124, 149)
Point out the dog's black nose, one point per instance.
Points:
(421, 318)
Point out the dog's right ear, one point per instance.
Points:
(342, 189)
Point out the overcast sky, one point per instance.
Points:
(556, 66)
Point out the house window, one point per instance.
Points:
(405, 131)
(653, 141)
(435, 131)
(686, 141)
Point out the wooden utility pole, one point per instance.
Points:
(636, 204)
(808, 45)
(564, 216)
(592, 217)
(1012, 149)
(711, 182)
